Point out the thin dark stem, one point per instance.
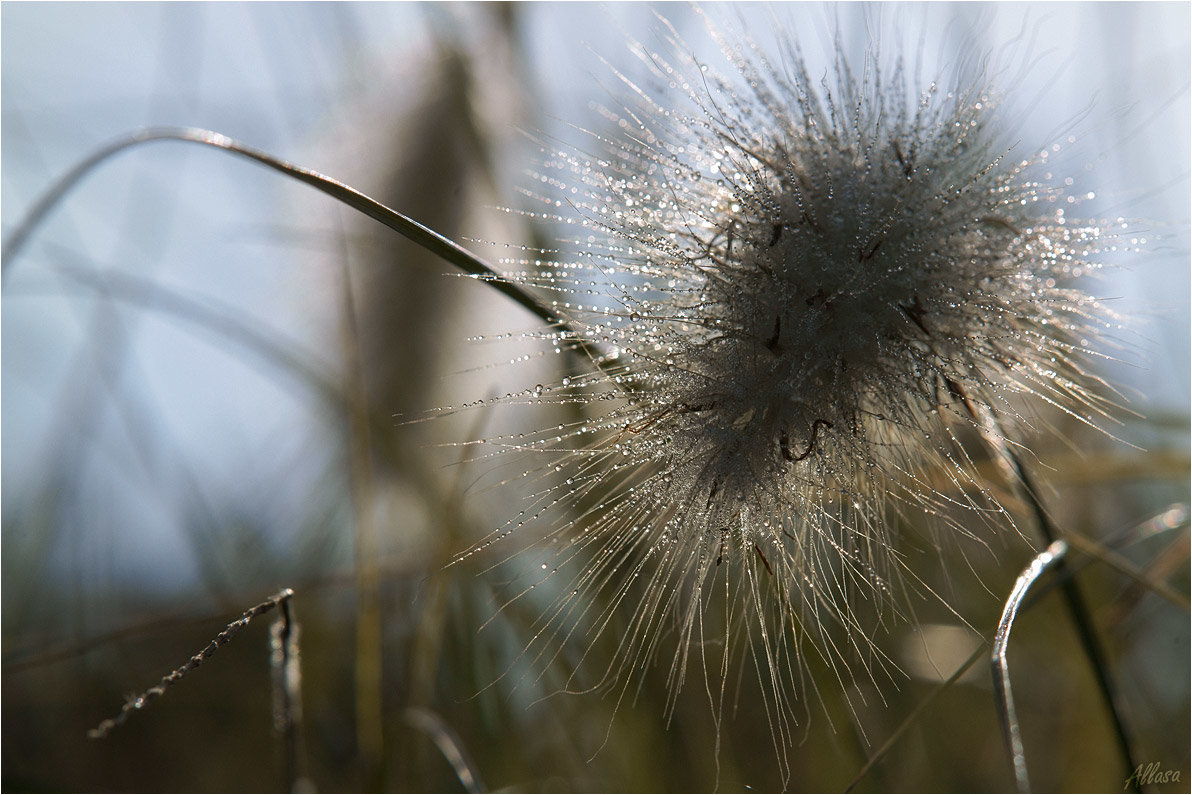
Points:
(285, 664)
(1108, 551)
(1053, 555)
(144, 699)
(1083, 621)
(993, 434)
(1172, 517)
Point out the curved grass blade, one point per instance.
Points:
(404, 225)
(1001, 671)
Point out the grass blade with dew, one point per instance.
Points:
(432, 241)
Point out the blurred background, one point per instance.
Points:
(215, 381)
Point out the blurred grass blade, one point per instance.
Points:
(146, 293)
(448, 744)
(914, 715)
(1143, 579)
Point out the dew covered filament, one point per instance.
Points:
(815, 288)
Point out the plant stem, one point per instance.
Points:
(1082, 619)
(1052, 556)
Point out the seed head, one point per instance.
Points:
(809, 294)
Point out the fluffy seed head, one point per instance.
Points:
(809, 294)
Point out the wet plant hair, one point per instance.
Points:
(811, 296)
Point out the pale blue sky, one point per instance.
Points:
(300, 81)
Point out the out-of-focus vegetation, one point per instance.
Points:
(215, 387)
